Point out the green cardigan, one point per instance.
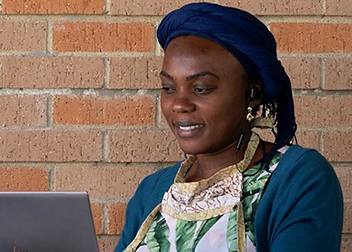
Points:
(301, 210)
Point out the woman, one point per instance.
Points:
(221, 79)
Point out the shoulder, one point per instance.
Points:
(301, 168)
(293, 210)
(303, 162)
(303, 176)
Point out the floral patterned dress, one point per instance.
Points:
(215, 214)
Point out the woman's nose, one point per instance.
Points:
(182, 104)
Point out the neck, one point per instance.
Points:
(209, 164)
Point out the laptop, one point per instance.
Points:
(46, 222)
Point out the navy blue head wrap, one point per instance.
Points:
(249, 41)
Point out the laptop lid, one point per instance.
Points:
(46, 221)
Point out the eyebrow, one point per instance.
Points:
(165, 74)
(190, 77)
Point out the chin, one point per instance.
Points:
(190, 149)
(204, 147)
(195, 148)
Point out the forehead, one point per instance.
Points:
(194, 54)
(195, 46)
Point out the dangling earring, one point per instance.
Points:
(249, 116)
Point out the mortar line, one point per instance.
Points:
(325, 128)
(314, 55)
(106, 81)
(106, 54)
(49, 38)
(322, 73)
(107, 7)
(155, 53)
(321, 93)
(105, 147)
(105, 223)
(317, 18)
(51, 179)
(1, 75)
(157, 112)
(323, 7)
(49, 112)
(109, 201)
(86, 18)
(114, 165)
(321, 141)
(72, 127)
(76, 54)
(29, 91)
(80, 91)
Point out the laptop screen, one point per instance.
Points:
(46, 221)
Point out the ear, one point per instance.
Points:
(255, 93)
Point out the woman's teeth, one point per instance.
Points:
(192, 127)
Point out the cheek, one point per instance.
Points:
(228, 112)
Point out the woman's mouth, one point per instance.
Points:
(188, 130)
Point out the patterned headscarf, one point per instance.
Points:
(249, 41)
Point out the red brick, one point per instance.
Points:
(116, 214)
(52, 72)
(117, 182)
(337, 145)
(103, 37)
(329, 110)
(346, 243)
(162, 121)
(142, 146)
(308, 139)
(347, 222)
(23, 179)
(345, 177)
(303, 72)
(20, 110)
(52, 7)
(92, 110)
(147, 7)
(24, 37)
(50, 145)
(313, 37)
(135, 73)
(107, 243)
(97, 212)
(276, 7)
(339, 7)
(338, 74)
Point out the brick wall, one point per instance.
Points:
(79, 94)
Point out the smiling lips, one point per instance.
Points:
(188, 129)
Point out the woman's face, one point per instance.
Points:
(204, 95)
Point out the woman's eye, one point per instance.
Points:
(169, 89)
(200, 90)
